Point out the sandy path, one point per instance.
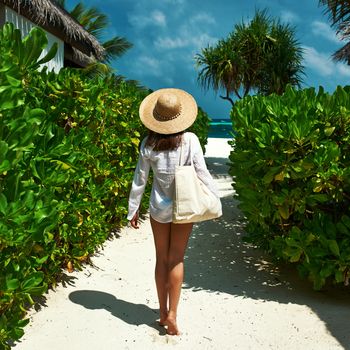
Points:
(233, 298)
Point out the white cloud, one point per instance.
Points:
(324, 30)
(179, 35)
(194, 42)
(156, 18)
(323, 64)
(289, 17)
(159, 18)
(344, 69)
(149, 63)
(147, 66)
(175, 2)
(203, 17)
(317, 61)
(169, 43)
(191, 34)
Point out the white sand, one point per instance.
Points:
(233, 298)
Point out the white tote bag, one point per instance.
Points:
(193, 201)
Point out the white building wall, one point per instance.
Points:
(25, 26)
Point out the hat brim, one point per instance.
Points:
(185, 119)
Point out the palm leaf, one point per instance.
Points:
(116, 47)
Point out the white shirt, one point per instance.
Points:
(163, 167)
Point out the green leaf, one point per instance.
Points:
(5, 166)
(16, 266)
(38, 290)
(327, 270)
(284, 211)
(18, 333)
(319, 282)
(40, 261)
(13, 81)
(280, 176)
(329, 131)
(295, 129)
(34, 44)
(29, 199)
(270, 175)
(346, 221)
(50, 55)
(3, 203)
(41, 215)
(24, 322)
(339, 276)
(36, 116)
(342, 228)
(296, 256)
(32, 281)
(12, 284)
(333, 246)
(34, 169)
(3, 150)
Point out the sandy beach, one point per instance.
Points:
(232, 297)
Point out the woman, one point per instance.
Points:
(167, 113)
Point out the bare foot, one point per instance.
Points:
(163, 317)
(172, 329)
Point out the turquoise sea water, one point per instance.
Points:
(221, 128)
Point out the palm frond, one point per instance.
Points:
(115, 48)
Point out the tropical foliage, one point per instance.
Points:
(261, 56)
(65, 142)
(339, 13)
(296, 199)
(201, 127)
(96, 23)
(68, 149)
(339, 10)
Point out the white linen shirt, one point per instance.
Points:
(163, 167)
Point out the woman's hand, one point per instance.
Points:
(134, 220)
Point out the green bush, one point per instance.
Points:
(68, 149)
(201, 127)
(291, 165)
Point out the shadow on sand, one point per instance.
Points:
(133, 314)
(218, 260)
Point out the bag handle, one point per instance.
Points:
(182, 151)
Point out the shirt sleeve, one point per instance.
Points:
(139, 181)
(200, 166)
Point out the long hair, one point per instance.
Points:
(161, 142)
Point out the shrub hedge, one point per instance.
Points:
(291, 165)
(68, 149)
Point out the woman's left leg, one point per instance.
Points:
(170, 242)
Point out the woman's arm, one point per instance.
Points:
(138, 185)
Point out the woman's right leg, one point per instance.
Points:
(161, 235)
(179, 236)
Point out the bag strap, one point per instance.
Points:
(182, 151)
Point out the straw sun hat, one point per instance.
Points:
(168, 111)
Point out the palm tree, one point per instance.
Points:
(339, 13)
(221, 69)
(339, 10)
(261, 56)
(283, 61)
(96, 23)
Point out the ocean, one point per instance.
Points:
(221, 128)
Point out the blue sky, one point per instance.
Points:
(167, 34)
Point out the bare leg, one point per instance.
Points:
(161, 235)
(179, 236)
